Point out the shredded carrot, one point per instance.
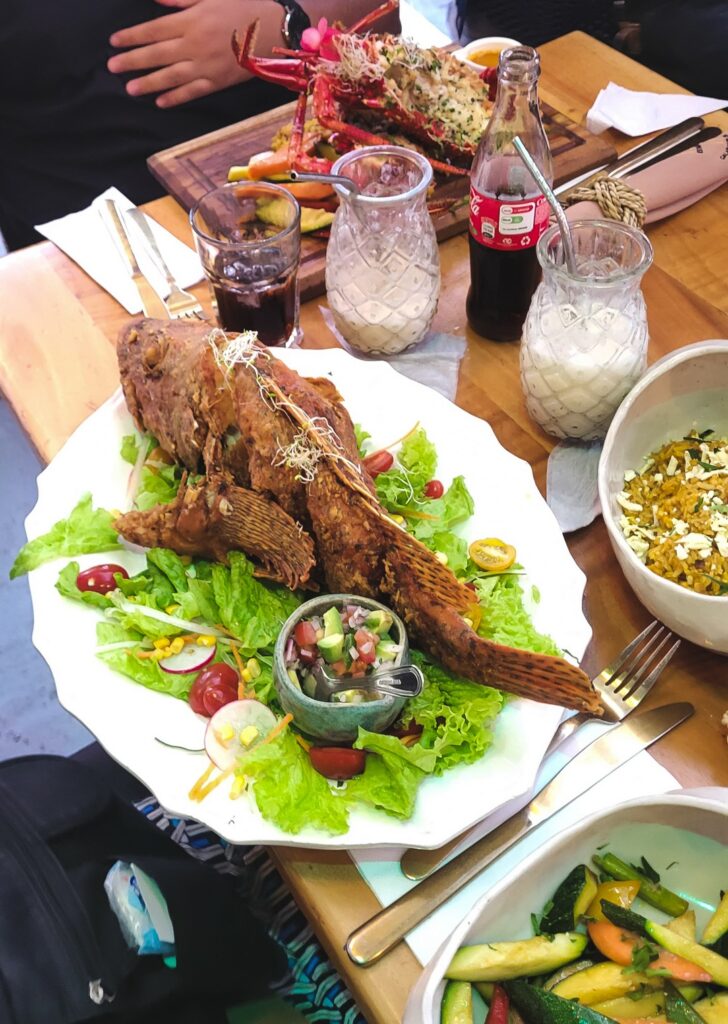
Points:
(206, 790)
(409, 741)
(303, 743)
(277, 729)
(201, 781)
(148, 654)
(238, 659)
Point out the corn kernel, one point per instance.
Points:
(467, 621)
(398, 519)
(253, 666)
(162, 642)
(172, 609)
(176, 645)
(441, 557)
(226, 733)
(248, 734)
(206, 641)
(245, 675)
(238, 786)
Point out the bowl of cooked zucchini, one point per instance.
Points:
(621, 918)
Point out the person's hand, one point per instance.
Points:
(189, 50)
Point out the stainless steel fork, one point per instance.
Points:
(179, 302)
(622, 686)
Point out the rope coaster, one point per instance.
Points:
(616, 199)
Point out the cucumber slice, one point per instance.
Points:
(570, 901)
(717, 926)
(539, 1007)
(496, 961)
(379, 621)
(457, 1003)
(601, 982)
(332, 622)
(332, 647)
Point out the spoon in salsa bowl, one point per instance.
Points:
(400, 681)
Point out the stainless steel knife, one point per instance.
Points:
(152, 304)
(660, 146)
(612, 749)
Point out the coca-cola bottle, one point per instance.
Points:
(508, 212)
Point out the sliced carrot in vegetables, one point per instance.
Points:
(619, 945)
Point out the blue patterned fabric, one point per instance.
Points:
(312, 985)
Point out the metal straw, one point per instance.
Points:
(333, 179)
(566, 239)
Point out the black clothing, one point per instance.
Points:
(534, 22)
(68, 129)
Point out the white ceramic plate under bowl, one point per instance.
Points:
(683, 835)
(126, 717)
(685, 390)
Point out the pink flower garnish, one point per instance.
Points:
(318, 40)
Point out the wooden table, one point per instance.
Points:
(57, 365)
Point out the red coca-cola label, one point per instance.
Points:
(505, 223)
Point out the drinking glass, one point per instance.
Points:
(382, 264)
(585, 336)
(248, 236)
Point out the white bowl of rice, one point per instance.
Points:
(663, 487)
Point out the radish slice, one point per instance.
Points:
(235, 730)
(191, 658)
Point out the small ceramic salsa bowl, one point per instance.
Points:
(336, 722)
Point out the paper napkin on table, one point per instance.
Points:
(571, 483)
(380, 866)
(637, 113)
(85, 238)
(435, 362)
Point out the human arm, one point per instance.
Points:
(187, 54)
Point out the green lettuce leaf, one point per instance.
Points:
(454, 507)
(392, 748)
(388, 782)
(505, 618)
(456, 715)
(253, 612)
(158, 485)
(453, 547)
(288, 790)
(418, 456)
(66, 585)
(171, 565)
(135, 618)
(147, 671)
(129, 448)
(362, 436)
(86, 530)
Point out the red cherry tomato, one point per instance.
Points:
(216, 697)
(337, 762)
(100, 578)
(366, 645)
(196, 694)
(218, 676)
(434, 489)
(305, 634)
(378, 462)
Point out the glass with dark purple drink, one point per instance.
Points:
(248, 236)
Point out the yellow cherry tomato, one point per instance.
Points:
(492, 555)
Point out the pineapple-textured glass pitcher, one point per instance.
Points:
(382, 264)
(585, 336)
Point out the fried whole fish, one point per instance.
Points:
(301, 452)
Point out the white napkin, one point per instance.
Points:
(435, 362)
(84, 237)
(571, 483)
(380, 867)
(637, 113)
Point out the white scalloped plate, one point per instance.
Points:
(125, 717)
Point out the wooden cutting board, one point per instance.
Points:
(192, 168)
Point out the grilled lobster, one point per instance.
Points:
(380, 81)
